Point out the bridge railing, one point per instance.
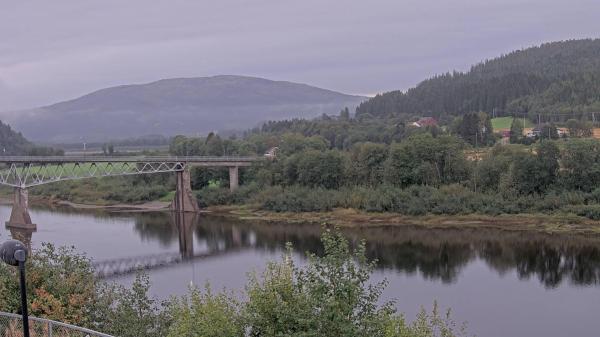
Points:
(128, 159)
(11, 325)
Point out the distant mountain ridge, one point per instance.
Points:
(177, 106)
(554, 78)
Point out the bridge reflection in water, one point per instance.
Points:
(163, 226)
(183, 223)
(435, 254)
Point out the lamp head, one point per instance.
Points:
(12, 252)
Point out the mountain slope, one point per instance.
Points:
(12, 142)
(556, 77)
(178, 106)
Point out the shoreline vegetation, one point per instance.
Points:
(561, 224)
(350, 218)
(423, 180)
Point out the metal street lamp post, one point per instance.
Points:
(14, 253)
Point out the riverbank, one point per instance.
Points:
(551, 224)
(152, 206)
(351, 218)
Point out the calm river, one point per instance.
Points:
(504, 284)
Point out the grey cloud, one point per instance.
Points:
(51, 51)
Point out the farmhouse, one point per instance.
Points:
(425, 121)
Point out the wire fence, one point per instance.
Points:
(11, 325)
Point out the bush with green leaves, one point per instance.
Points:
(60, 283)
(62, 286)
(130, 312)
(330, 295)
(203, 313)
(300, 199)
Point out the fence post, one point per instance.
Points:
(49, 328)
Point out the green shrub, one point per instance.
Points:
(330, 295)
(210, 196)
(206, 314)
(61, 285)
(588, 211)
(300, 199)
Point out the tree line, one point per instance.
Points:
(429, 171)
(14, 143)
(558, 77)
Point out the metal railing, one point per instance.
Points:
(11, 325)
(127, 159)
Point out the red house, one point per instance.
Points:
(425, 121)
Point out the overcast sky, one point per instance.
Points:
(56, 50)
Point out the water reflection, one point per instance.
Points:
(435, 254)
(551, 263)
(22, 234)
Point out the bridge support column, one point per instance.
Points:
(184, 200)
(234, 173)
(19, 217)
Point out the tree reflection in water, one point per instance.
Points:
(437, 254)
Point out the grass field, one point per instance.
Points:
(505, 122)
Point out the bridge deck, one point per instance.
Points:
(126, 159)
(28, 171)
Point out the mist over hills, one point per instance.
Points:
(176, 106)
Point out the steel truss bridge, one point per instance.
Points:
(24, 172)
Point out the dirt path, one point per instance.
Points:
(146, 207)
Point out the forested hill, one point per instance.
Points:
(557, 77)
(13, 143)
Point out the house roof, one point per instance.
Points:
(426, 121)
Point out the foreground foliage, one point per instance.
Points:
(329, 295)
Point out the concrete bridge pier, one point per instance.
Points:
(234, 178)
(19, 216)
(184, 200)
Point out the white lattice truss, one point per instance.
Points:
(25, 175)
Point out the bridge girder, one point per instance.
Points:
(28, 171)
(24, 175)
